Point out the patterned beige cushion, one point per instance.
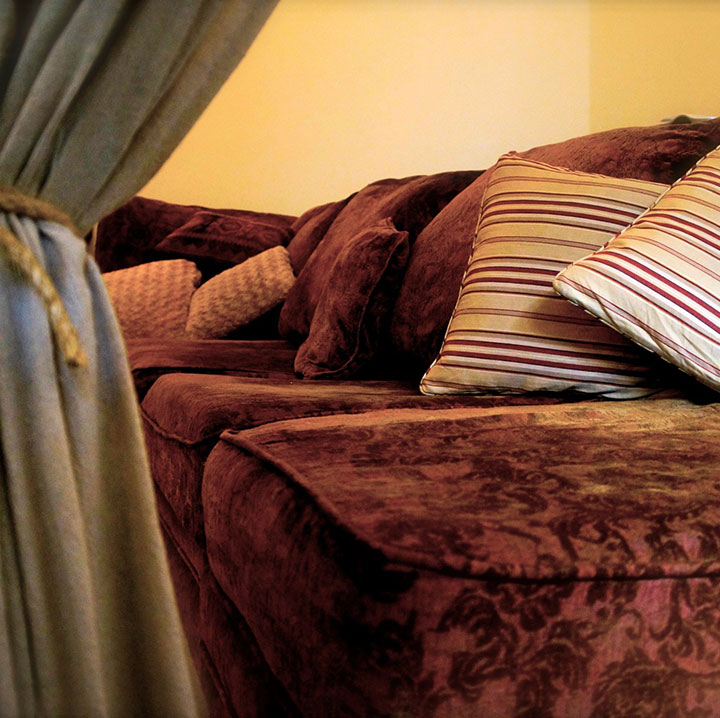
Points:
(240, 294)
(152, 300)
(510, 332)
(658, 282)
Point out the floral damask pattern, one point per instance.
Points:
(541, 562)
(558, 665)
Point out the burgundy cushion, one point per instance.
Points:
(224, 238)
(151, 358)
(131, 234)
(351, 318)
(309, 228)
(184, 415)
(410, 202)
(233, 674)
(660, 153)
(538, 562)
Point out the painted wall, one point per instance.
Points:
(651, 59)
(334, 94)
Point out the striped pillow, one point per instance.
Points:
(659, 281)
(510, 332)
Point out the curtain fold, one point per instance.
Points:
(95, 95)
(102, 92)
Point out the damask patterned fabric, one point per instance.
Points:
(132, 234)
(184, 415)
(525, 562)
(658, 282)
(226, 237)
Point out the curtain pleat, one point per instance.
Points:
(102, 92)
(95, 95)
(87, 592)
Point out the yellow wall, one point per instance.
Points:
(334, 94)
(651, 59)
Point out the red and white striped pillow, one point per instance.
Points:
(510, 332)
(658, 282)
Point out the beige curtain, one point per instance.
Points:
(94, 95)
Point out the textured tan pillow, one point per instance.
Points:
(240, 294)
(152, 300)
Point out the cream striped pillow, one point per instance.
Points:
(510, 332)
(659, 281)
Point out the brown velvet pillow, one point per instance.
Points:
(224, 238)
(309, 228)
(660, 153)
(410, 203)
(131, 234)
(350, 322)
(128, 236)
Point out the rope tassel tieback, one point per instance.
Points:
(27, 267)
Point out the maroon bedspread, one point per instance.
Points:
(545, 561)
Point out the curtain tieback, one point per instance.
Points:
(26, 266)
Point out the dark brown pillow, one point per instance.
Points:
(224, 238)
(309, 228)
(350, 322)
(410, 203)
(660, 153)
(130, 235)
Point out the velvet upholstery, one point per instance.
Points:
(410, 203)
(513, 562)
(264, 327)
(350, 323)
(660, 153)
(353, 548)
(184, 414)
(187, 590)
(150, 359)
(234, 676)
(309, 228)
(131, 234)
(224, 238)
